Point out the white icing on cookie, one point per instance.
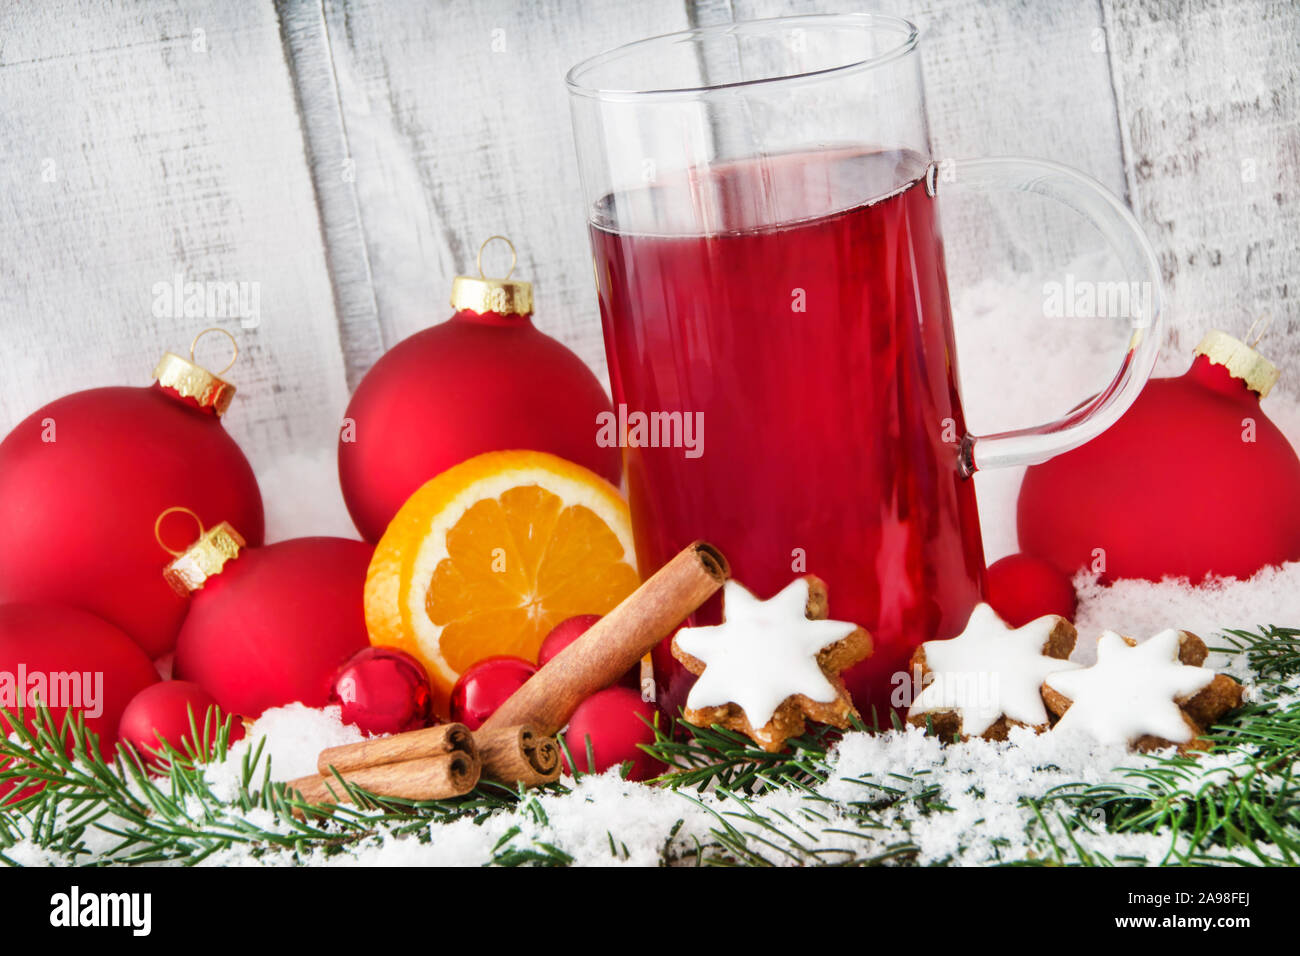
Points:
(989, 670)
(762, 653)
(1131, 691)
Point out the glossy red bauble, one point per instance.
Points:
(163, 712)
(75, 661)
(276, 623)
(486, 686)
(476, 383)
(568, 631)
(1193, 480)
(1021, 587)
(612, 724)
(82, 481)
(382, 690)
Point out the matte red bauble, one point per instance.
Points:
(382, 690)
(486, 686)
(82, 480)
(269, 626)
(162, 712)
(612, 723)
(486, 380)
(1021, 588)
(1193, 480)
(73, 661)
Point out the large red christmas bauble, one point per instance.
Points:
(485, 380)
(74, 661)
(83, 479)
(270, 626)
(1193, 480)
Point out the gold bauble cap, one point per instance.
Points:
(202, 560)
(1241, 361)
(190, 380)
(481, 293)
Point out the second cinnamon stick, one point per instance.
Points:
(515, 755)
(412, 745)
(427, 778)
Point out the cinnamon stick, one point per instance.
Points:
(426, 778)
(512, 755)
(412, 745)
(616, 642)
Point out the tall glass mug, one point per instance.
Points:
(762, 206)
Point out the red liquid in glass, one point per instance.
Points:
(800, 304)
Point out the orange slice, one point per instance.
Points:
(490, 555)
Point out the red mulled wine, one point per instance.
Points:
(795, 309)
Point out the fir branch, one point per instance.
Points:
(61, 792)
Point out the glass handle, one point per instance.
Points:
(1029, 446)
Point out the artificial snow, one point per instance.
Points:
(1139, 609)
(294, 735)
(607, 821)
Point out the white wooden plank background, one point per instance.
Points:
(170, 142)
(349, 155)
(459, 125)
(1209, 106)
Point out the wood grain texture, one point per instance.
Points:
(310, 55)
(458, 121)
(1209, 99)
(143, 143)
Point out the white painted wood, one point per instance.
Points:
(143, 143)
(310, 54)
(458, 121)
(1210, 105)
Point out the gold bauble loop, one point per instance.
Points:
(1266, 317)
(157, 529)
(233, 344)
(514, 257)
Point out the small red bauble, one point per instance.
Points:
(568, 631)
(614, 720)
(486, 686)
(74, 661)
(382, 690)
(162, 712)
(486, 380)
(1193, 480)
(82, 480)
(1021, 588)
(270, 626)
